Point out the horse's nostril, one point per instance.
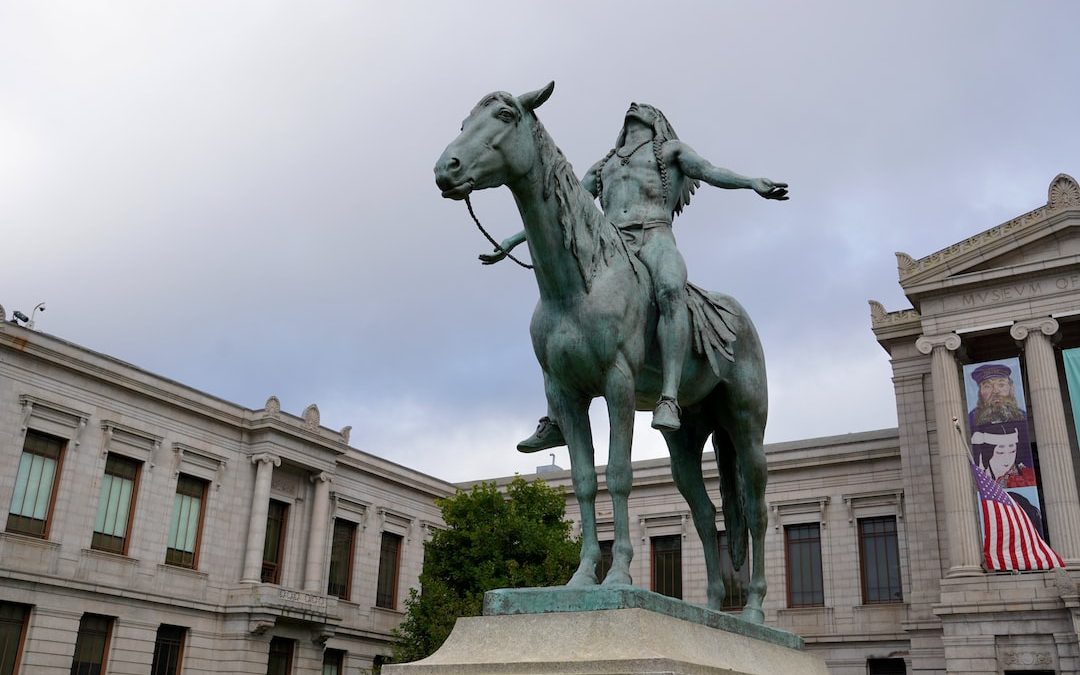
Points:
(453, 164)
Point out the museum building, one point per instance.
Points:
(152, 528)
(155, 528)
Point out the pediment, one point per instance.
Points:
(1044, 237)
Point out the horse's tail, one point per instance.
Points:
(731, 493)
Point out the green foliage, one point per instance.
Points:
(520, 539)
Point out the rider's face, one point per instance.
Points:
(642, 113)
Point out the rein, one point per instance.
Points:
(498, 247)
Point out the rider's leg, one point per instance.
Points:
(668, 273)
(547, 435)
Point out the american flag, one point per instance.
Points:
(1010, 541)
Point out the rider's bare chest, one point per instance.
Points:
(639, 172)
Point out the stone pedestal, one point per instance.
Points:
(610, 630)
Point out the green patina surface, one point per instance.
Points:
(598, 598)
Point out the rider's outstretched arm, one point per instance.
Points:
(511, 242)
(505, 247)
(694, 165)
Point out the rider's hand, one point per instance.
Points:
(770, 189)
(492, 258)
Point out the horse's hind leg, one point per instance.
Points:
(685, 447)
(573, 416)
(619, 395)
(748, 440)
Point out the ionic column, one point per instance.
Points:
(260, 504)
(960, 518)
(1062, 502)
(314, 580)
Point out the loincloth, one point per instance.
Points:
(635, 233)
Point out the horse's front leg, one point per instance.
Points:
(573, 416)
(619, 394)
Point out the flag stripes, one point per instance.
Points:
(1010, 540)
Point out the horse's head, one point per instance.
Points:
(495, 146)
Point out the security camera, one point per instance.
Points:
(20, 316)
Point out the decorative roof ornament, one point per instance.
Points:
(904, 262)
(880, 317)
(273, 406)
(3, 317)
(345, 431)
(877, 311)
(311, 417)
(1063, 193)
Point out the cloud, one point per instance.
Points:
(240, 196)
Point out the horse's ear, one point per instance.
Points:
(535, 99)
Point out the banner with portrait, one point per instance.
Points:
(998, 428)
(1072, 379)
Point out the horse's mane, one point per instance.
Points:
(592, 239)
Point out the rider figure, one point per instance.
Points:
(642, 183)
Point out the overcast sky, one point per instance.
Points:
(240, 196)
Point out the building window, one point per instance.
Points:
(168, 650)
(35, 485)
(389, 566)
(91, 645)
(879, 560)
(736, 583)
(13, 620)
(333, 662)
(667, 565)
(281, 657)
(606, 558)
(116, 504)
(341, 556)
(886, 667)
(277, 517)
(802, 544)
(185, 527)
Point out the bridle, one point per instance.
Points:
(498, 247)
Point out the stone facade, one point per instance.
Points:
(99, 407)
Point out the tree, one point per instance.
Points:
(492, 540)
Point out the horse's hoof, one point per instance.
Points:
(617, 578)
(753, 615)
(582, 579)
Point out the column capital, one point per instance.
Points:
(926, 343)
(266, 458)
(321, 477)
(1022, 329)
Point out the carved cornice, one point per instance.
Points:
(128, 436)
(926, 343)
(881, 318)
(1063, 193)
(1045, 325)
(32, 406)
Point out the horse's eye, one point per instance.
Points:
(505, 116)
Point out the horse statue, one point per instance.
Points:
(593, 332)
